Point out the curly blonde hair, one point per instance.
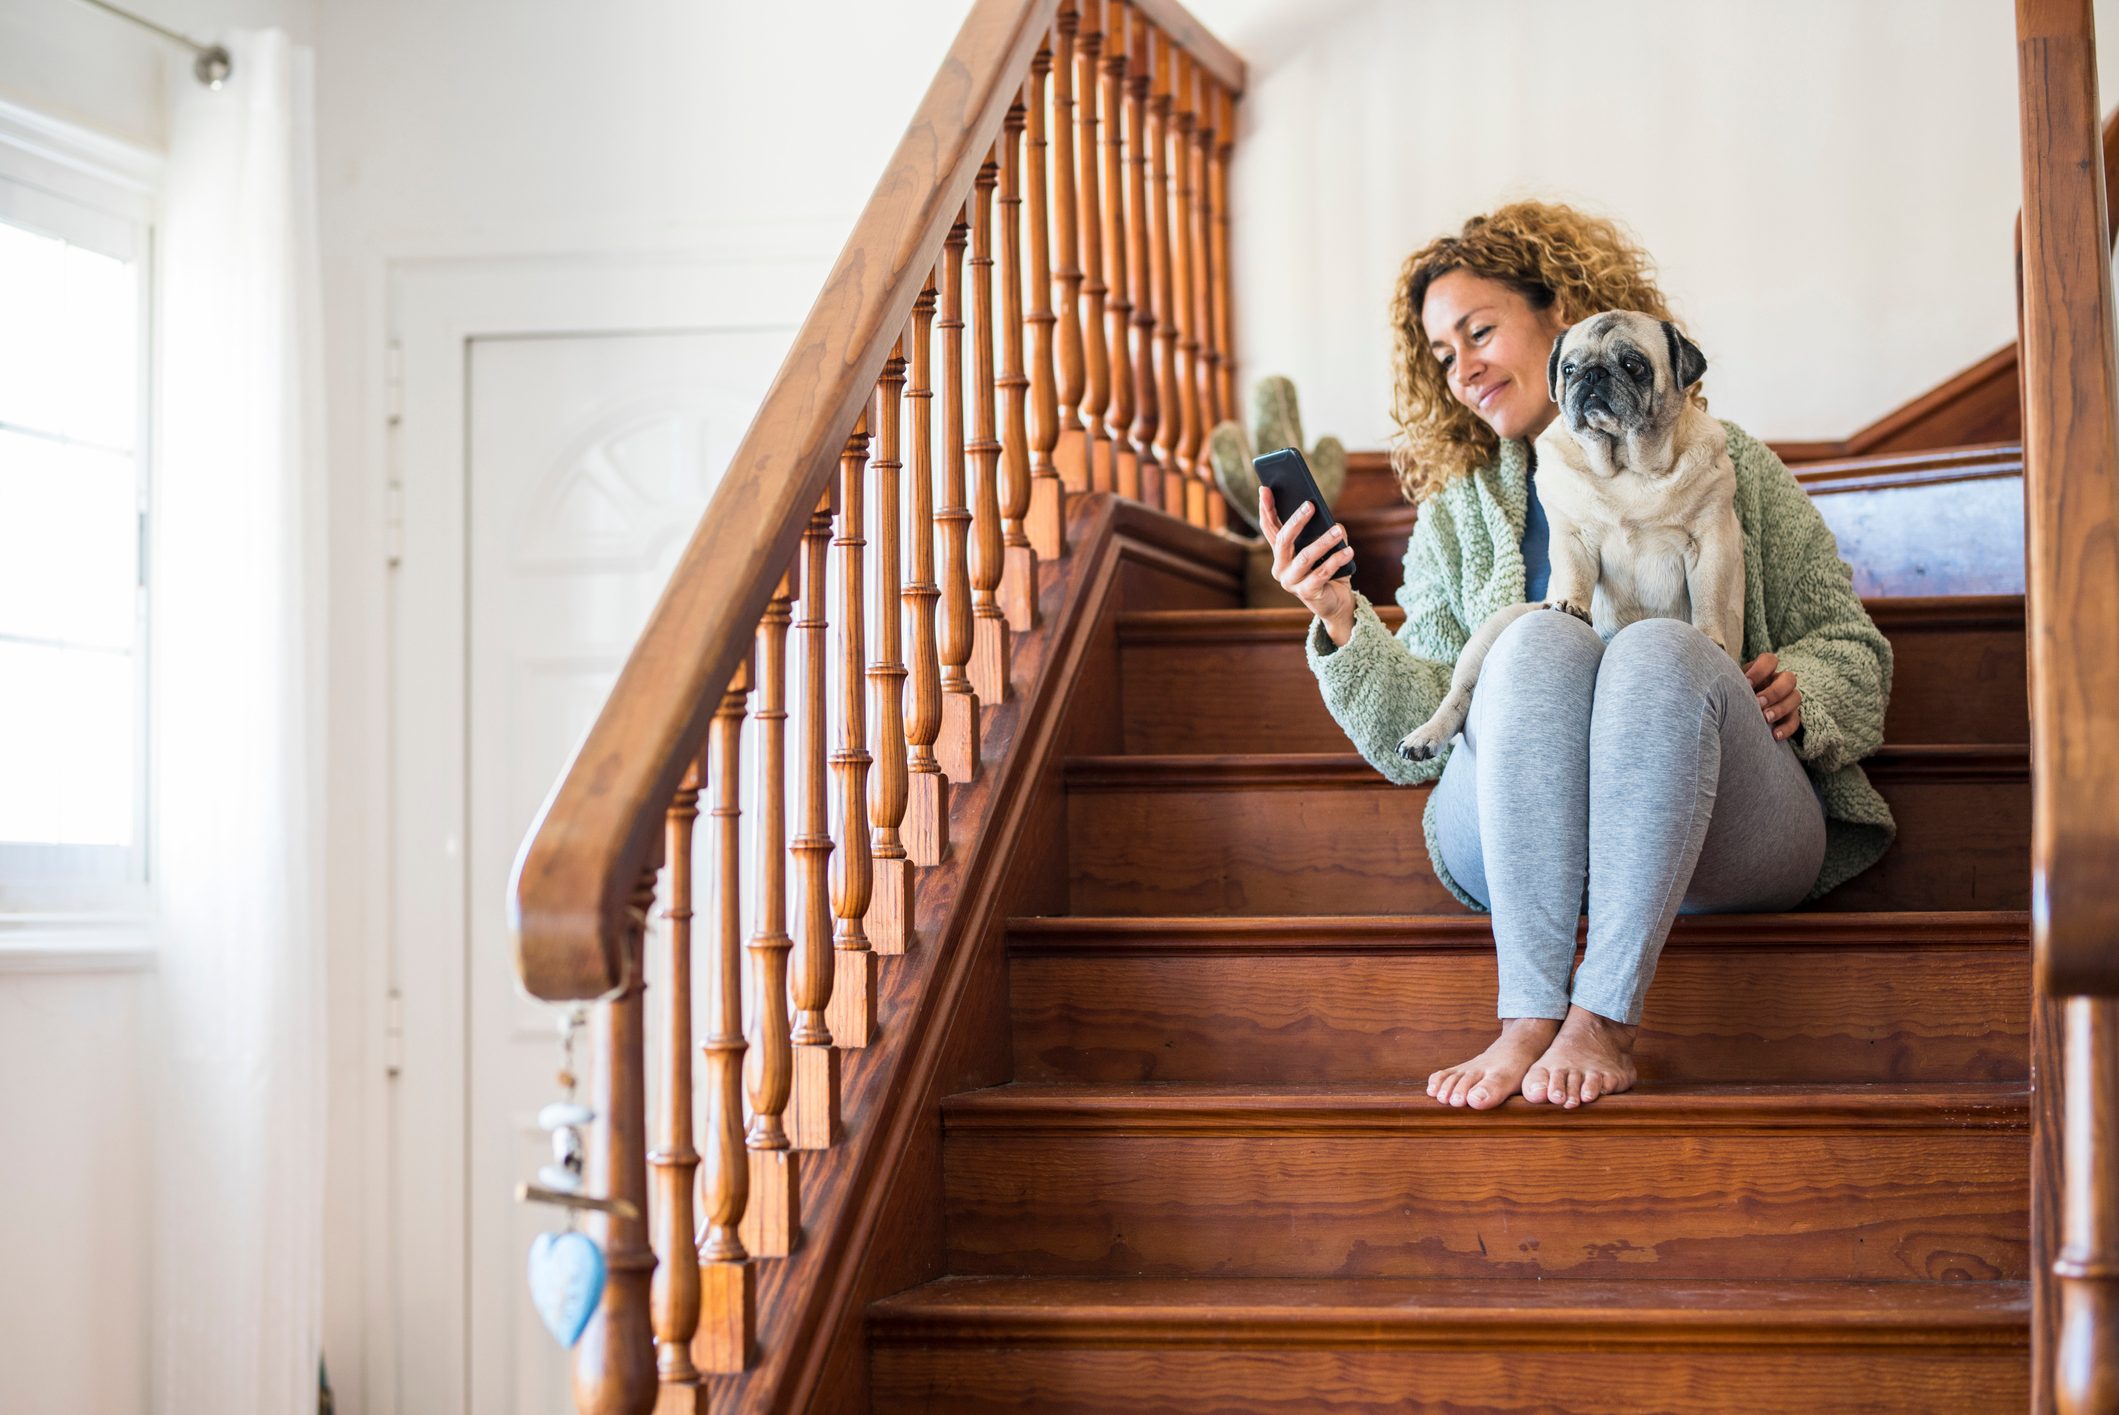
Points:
(1547, 253)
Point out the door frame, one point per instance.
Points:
(415, 1092)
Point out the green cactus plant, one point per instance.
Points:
(1279, 424)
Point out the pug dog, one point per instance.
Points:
(1637, 483)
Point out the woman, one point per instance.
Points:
(1651, 766)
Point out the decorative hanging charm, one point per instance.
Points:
(566, 1282)
(566, 1267)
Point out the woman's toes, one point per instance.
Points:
(1481, 1097)
(1535, 1082)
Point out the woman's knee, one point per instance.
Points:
(1659, 667)
(1544, 644)
(1664, 651)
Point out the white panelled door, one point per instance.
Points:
(589, 461)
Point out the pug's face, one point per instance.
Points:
(1622, 375)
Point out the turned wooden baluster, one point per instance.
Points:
(1225, 282)
(852, 1015)
(927, 789)
(957, 746)
(1180, 497)
(1071, 455)
(1184, 142)
(614, 1361)
(772, 1218)
(2085, 1363)
(1096, 385)
(1206, 363)
(1140, 138)
(726, 1274)
(1018, 588)
(1117, 233)
(1046, 525)
(989, 626)
(813, 1107)
(673, 1296)
(889, 919)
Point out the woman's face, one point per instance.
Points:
(1494, 348)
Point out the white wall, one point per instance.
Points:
(74, 1193)
(1829, 189)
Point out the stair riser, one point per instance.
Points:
(1251, 694)
(1924, 1203)
(1719, 1014)
(1357, 848)
(1161, 1381)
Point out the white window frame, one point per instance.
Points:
(102, 194)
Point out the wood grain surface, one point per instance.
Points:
(1325, 833)
(2071, 498)
(1958, 677)
(1742, 998)
(1359, 1379)
(1441, 1312)
(1904, 1183)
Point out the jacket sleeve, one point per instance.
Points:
(1375, 686)
(1823, 635)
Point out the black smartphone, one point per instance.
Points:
(1288, 477)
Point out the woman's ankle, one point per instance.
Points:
(1621, 1033)
(1543, 1028)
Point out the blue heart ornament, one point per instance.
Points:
(566, 1282)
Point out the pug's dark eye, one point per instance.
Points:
(1567, 370)
(1636, 367)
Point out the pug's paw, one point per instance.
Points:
(1425, 742)
(1568, 606)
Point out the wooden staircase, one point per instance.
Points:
(1074, 1059)
(1216, 1184)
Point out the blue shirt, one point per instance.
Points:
(1537, 538)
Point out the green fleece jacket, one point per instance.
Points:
(1465, 560)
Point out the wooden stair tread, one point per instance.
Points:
(1283, 1312)
(1167, 626)
(1172, 1108)
(1115, 935)
(1944, 761)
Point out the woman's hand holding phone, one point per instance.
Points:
(1307, 574)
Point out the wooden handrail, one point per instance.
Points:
(2071, 474)
(1197, 41)
(601, 826)
(572, 891)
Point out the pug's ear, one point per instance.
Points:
(1687, 364)
(1552, 366)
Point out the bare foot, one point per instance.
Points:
(1495, 1074)
(1592, 1056)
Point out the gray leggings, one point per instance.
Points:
(1645, 764)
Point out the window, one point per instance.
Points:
(74, 363)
